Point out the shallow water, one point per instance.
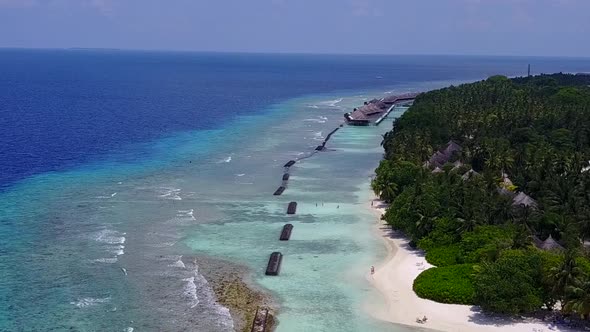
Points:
(108, 244)
(127, 233)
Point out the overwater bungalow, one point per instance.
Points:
(375, 109)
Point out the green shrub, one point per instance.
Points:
(485, 243)
(511, 285)
(444, 256)
(448, 284)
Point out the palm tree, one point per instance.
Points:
(579, 302)
(564, 276)
(388, 192)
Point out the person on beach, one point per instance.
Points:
(372, 270)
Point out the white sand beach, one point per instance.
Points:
(394, 279)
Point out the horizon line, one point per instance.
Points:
(116, 49)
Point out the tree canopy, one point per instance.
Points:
(480, 173)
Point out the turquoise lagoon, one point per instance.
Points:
(119, 238)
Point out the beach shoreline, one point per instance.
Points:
(394, 278)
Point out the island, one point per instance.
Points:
(490, 181)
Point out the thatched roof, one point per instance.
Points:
(548, 244)
(393, 99)
(469, 174)
(358, 115)
(441, 157)
(371, 109)
(374, 107)
(523, 199)
(438, 159)
(452, 148)
(437, 170)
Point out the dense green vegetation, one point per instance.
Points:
(449, 284)
(514, 175)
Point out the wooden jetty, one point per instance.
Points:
(286, 177)
(378, 121)
(289, 163)
(286, 233)
(292, 208)
(320, 147)
(274, 264)
(330, 134)
(260, 320)
(279, 191)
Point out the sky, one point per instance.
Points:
(471, 27)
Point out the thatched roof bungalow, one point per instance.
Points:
(437, 170)
(469, 174)
(522, 199)
(441, 157)
(548, 244)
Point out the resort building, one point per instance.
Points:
(375, 110)
(548, 244)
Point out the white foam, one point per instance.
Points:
(315, 120)
(226, 160)
(124, 270)
(113, 194)
(119, 250)
(171, 193)
(190, 291)
(241, 174)
(109, 236)
(106, 260)
(90, 301)
(179, 263)
(313, 106)
(331, 103)
(186, 214)
(208, 298)
(129, 329)
(318, 136)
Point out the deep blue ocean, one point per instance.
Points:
(113, 162)
(61, 108)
